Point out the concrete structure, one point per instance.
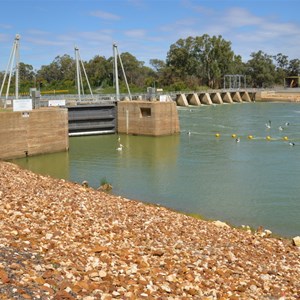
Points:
(182, 100)
(245, 96)
(193, 99)
(236, 97)
(205, 98)
(33, 132)
(226, 96)
(216, 98)
(278, 96)
(152, 118)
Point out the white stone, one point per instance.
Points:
(221, 224)
(38, 268)
(296, 241)
(268, 232)
(102, 274)
(166, 288)
(171, 278)
(49, 236)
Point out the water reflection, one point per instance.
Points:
(143, 160)
(56, 164)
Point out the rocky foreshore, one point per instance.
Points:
(60, 240)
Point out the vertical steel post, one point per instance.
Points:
(13, 55)
(116, 72)
(17, 65)
(126, 82)
(77, 73)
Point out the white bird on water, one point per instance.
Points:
(268, 125)
(120, 148)
(291, 143)
(237, 140)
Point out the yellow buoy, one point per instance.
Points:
(285, 138)
(233, 135)
(217, 134)
(268, 137)
(250, 137)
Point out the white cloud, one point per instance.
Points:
(135, 33)
(6, 26)
(45, 42)
(238, 17)
(37, 32)
(105, 15)
(3, 37)
(196, 7)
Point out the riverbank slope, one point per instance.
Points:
(60, 240)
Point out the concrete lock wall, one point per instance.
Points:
(33, 132)
(147, 118)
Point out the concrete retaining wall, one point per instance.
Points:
(148, 118)
(277, 96)
(34, 132)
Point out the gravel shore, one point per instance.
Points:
(60, 240)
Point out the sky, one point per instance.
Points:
(144, 28)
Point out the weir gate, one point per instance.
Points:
(92, 119)
(99, 116)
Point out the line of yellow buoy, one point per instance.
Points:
(250, 137)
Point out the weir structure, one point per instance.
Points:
(139, 115)
(214, 97)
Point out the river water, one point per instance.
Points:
(252, 182)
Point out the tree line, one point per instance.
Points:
(193, 63)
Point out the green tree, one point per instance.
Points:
(26, 72)
(61, 70)
(203, 60)
(180, 60)
(99, 72)
(131, 67)
(157, 64)
(261, 70)
(282, 63)
(294, 67)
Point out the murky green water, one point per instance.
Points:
(253, 182)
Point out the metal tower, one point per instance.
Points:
(79, 76)
(116, 76)
(14, 61)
